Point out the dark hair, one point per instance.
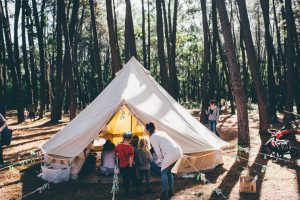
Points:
(150, 127)
(212, 102)
(108, 146)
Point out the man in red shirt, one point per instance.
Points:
(125, 153)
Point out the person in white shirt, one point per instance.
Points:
(168, 153)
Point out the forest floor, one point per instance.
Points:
(280, 180)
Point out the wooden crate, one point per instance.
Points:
(248, 184)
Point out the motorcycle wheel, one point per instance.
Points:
(294, 153)
(266, 150)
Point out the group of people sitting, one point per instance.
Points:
(135, 157)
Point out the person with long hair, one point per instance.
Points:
(143, 159)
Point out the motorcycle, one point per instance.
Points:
(279, 148)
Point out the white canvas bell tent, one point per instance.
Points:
(131, 100)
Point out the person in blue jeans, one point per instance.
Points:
(213, 116)
(168, 153)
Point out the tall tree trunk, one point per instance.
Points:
(149, 36)
(269, 46)
(130, 47)
(68, 59)
(244, 65)
(115, 58)
(33, 70)
(73, 21)
(11, 64)
(160, 45)
(281, 62)
(29, 90)
(96, 47)
(254, 68)
(40, 35)
(116, 33)
(56, 112)
(173, 68)
(212, 70)
(77, 79)
(16, 39)
(167, 36)
(235, 77)
(3, 87)
(204, 78)
(290, 58)
(144, 35)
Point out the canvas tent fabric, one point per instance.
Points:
(135, 89)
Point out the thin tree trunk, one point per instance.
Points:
(204, 78)
(290, 58)
(280, 60)
(11, 64)
(167, 36)
(212, 70)
(149, 36)
(173, 69)
(31, 58)
(16, 39)
(3, 86)
(254, 68)
(115, 59)
(160, 45)
(269, 45)
(56, 112)
(68, 59)
(144, 35)
(77, 79)
(29, 90)
(130, 47)
(235, 77)
(40, 35)
(96, 47)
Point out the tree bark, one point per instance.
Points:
(11, 65)
(31, 56)
(235, 77)
(29, 90)
(130, 47)
(290, 58)
(160, 45)
(254, 68)
(68, 58)
(57, 108)
(173, 68)
(281, 61)
(3, 86)
(144, 35)
(16, 39)
(212, 70)
(96, 49)
(269, 45)
(149, 31)
(115, 58)
(40, 35)
(204, 78)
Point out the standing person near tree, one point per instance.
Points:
(213, 116)
(168, 152)
(3, 125)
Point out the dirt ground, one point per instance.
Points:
(280, 180)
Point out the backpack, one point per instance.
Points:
(6, 136)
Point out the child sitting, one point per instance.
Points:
(108, 160)
(143, 159)
(125, 153)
